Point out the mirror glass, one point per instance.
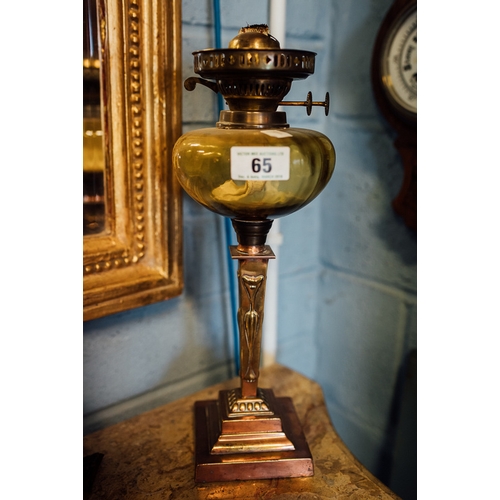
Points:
(93, 143)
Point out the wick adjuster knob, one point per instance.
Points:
(309, 103)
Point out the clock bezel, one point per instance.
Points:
(387, 77)
(397, 115)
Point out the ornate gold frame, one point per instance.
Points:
(138, 259)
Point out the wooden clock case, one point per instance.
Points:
(403, 122)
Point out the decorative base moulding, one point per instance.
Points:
(227, 448)
(152, 454)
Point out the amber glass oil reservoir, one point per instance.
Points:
(256, 174)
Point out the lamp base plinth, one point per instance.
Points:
(233, 447)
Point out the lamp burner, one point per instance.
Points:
(253, 73)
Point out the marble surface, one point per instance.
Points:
(151, 456)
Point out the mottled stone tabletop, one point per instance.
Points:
(151, 456)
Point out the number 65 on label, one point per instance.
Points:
(266, 163)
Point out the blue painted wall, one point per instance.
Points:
(347, 266)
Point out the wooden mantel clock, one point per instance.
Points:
(394, 81)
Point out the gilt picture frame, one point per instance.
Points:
(137, 259)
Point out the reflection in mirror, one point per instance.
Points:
(93, 144)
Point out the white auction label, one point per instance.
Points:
(260, 163)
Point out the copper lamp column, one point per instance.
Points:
(248, 433)
(252, 167)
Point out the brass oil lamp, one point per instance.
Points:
(252, 167)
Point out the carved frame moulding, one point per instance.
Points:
(137, 260)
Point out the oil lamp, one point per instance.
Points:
(252, 167)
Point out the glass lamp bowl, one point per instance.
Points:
(202, 160)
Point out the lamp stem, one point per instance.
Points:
(253, 257)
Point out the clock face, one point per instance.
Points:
(399, 62)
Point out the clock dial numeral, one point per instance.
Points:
(408, 62)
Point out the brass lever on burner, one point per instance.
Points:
(309, 103)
